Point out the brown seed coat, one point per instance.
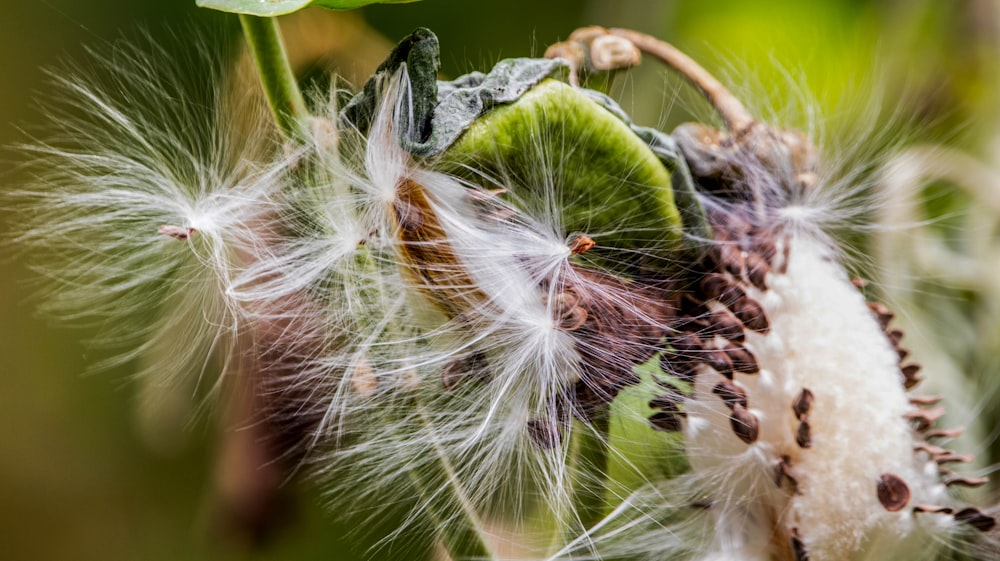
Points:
(798, 547)
(975, 518)
(893, 492)
(666, 421)
(750, 312)
(803, 436)
(745, 424)
(803, 402)
(730, 394)
(742, 359)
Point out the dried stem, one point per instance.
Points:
(738, 119)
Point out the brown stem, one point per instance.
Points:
(738, 119)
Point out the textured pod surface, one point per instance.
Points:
(561, 153)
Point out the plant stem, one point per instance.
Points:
(588, 466)
(276, 76)
(738, 119)
(464, 539)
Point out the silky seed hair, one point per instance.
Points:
(462, 349)
(143, 206)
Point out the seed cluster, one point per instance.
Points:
(615, 326)
(924, 416)
(700, 322)
(714, 317)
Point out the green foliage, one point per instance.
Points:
(281, 7)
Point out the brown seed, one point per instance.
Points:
(691, 324)
(720, 362)
(895, 336)
(563, 301)
(671, 390)
(469, 366)
(925, 399)
(667, 422)
(745, 424)
(803, 402)
(763, 245)
(709, 260)
(756, 270)
(786, 252)
(732, 297)
(717, 287)
(882, 313)
(933, 451)
(752, 314)
(544, 433)
(803, 436)
(176, 232)
(910, 371)
(666, 402)
(924, 418)
(893, 492)
(713, 284)
(933, 509)
(733, 259)
(573, 319)
(945, 433)
(687, 343)
(693, 306)
(581, 244)
(953, 458)
(975, 518)
(859, 282)
(742, 359)
(967, 481)
(722, 322)
(783, 470)
(798, 547)
(730, 394)
(678, 366)
(903, 353)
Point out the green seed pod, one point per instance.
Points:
(559, 151)
(565, 156)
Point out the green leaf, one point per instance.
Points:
(281, 7)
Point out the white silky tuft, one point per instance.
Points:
(148, 197)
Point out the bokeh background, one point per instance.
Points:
(81, 478)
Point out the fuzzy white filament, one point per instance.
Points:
(144, 209)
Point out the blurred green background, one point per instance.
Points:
(79, 481)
